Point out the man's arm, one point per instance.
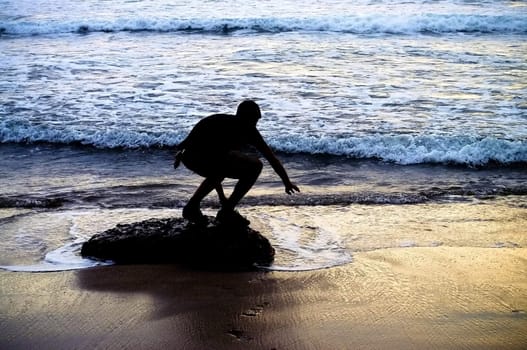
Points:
(277, 166)
(178, 154)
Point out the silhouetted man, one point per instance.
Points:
(213, 149)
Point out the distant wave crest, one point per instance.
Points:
(413, 149)
(400, 149)
(359, 24)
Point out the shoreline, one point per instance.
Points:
(304, 237)
(66, 177)
(399, 298)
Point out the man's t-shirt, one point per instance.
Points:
(221, 133)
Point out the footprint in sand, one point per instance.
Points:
(238, 334)
(255, 311)
(251, 312)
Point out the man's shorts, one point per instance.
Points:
(233, 164)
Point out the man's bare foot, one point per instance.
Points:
(194, 214)
(231, 216)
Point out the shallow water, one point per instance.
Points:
(305, 238)
(55, 198)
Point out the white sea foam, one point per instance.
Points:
(66, 257)
(401, 149)
(409, 149)
(303, 247)
(47, 266)
(359, 24)
(116, 138)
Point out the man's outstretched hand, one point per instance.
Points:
(177, 158)
(291, 188)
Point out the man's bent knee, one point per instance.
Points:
(238, 165)
(258, 166)
(251, 168)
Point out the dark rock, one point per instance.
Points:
(175, 240)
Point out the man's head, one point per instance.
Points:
(249, 111)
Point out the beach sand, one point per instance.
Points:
(399, 298)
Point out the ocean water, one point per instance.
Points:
(398, 105)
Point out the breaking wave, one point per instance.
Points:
(358, 24)
(413, 149)
(400, 149)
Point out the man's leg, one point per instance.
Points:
(204, 165)
(192, 211)
(244, 184)
(234, 165)
(221, 194)
(246, 169)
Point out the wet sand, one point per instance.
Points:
(399, 298)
